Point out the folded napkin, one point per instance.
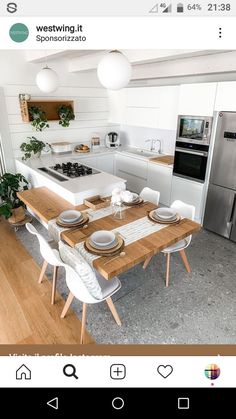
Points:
(127, 196)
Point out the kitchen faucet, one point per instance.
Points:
(152, 145)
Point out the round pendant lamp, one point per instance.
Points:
(114, 70)
(47, 80)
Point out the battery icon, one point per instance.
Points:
(180, 8)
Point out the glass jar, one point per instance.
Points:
(117, 210)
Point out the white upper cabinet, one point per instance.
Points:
(226, 97)
(154, 107)
(197, 99)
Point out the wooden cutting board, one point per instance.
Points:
(163, 159)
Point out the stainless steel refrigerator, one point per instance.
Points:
(220, 212)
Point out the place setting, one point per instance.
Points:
(104, 243)
(131, 199)
(72, 218)
(164, 216)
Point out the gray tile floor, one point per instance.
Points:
(196, 308)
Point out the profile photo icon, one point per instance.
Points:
(19, 32)
(212, 371)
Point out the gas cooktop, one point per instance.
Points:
(61, 171)
(72, 170)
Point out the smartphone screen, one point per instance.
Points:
(117, 206)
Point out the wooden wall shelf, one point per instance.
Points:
(50, 107)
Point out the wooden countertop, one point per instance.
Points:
(45, 203)
(167, 160)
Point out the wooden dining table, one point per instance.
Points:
(47, 205)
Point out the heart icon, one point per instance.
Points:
(165, 370)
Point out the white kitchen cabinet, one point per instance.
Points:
(133, 170)
(154, 107)
(226, 97)
(106, 163)
(197, 99)
(189, 192)
(160, 179)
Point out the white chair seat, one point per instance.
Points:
(176, 247)
(108, 287)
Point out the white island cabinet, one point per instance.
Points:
(159, 179)
(73, 190)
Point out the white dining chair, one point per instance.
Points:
(186, 211)
(51, 256)
(87, 285)
(148, 194)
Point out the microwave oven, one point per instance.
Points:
(194, 129)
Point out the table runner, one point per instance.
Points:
(131, 232)
(55, 230)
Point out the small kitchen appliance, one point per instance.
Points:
(112, 140)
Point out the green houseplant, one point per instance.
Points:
(33, 147)
(38, 117)
(11, 206)
(66, 114)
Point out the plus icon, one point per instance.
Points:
(117, 371)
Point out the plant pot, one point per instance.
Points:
(18, 214)
(36, 155)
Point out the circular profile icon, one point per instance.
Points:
(19, 32)
(212, 371)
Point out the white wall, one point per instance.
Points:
(136, 136)
(91, 102)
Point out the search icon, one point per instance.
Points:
(69, 370)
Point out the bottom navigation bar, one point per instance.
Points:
(118, 402)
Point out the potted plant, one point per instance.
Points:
(11, 206)
(38, 117)
(33, 147)
(66, 114)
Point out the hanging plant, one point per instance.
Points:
(38, 116)
(66, 114)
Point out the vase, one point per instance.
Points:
(18, 214)
(117, 211)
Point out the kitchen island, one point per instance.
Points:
(73, 182)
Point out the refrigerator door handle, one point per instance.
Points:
(230, 222)
(233, 209)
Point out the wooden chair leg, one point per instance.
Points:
(113, 311)
(185, 260)
(147, 261)
(54, 283)
(167, 269)
(43, 270)
(67, 305)
(83, 323)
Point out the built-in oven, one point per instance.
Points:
(194, 129)
(190, 161)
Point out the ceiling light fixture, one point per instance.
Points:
(47, 80)
(114, 70)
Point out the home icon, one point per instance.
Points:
(23, 373)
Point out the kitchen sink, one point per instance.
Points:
(143, 152)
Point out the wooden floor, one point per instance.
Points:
(26, 315)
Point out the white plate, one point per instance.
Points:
(70, 216)
(165, 213)
(110, 246)
(103, 238)
(164, 219)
